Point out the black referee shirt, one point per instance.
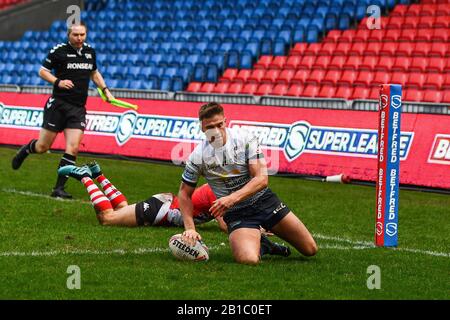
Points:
(75, 65)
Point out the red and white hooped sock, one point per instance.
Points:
(98, 199)
(114, 195)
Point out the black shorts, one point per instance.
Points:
(60, 115)
(266, 212)
(146, 211)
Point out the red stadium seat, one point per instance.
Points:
(446, 84)
(249, 88)
(285, 76)
(421, 49)
(361, 35)
(207, 87)
(418, 64)
(307, 62)
(357, 48)
(347, 36)
(373, 48)
(442, 9)
(446, 96)
(412, 10)
(311, 90)
(292, 62)
(439, 49)
(429, 10)
(385, 63)
(327, 49)
(342, 48)
(348, 77)
(322, 62)
(221, 87)
(315, 76)
(333, 36)
(353, 62)
(424, 35)
(280, 90)
(407, 35)
(442, 22)
(263, 62)
(395, 22)
(300, 76)
(256, 75)
(243, 75)
(368, 63)
(376, 35)
(405, 49)
(426, 22)
(399, 78)
(295, 90)
(327, 91)
(229, 75)
(434, 81)
(364, 79)
(413, 95)
(278, 62)
(337, 62)
(361, 93)
(313, 49)
(235, 88)
(270, 76)
(374, 93)
(437, 64)
(381, 77)
(264, 89)
(389, 48)
(440, 35)
(416, 80)
(194, 87)
(399, 10)
(410, 23)
(299, 49)
(332, 77)
(344, 92)
(392, 35)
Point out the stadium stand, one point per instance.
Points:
(5, 4)
(291, 47)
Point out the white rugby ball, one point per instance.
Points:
(183, 251)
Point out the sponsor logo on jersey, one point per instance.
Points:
(440, 150)
(302, 137)
(71, 55)
(80, 66)
(88, 55)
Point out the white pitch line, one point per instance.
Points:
(355, 244)
(40, 195)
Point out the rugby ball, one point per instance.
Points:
(183, 251)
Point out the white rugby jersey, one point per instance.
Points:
(225, 169)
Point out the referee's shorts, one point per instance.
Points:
(60, 115)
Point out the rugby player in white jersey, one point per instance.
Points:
(233, 165)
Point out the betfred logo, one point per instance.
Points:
(440, 151)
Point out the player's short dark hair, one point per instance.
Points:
(82, 23)
(209, 110)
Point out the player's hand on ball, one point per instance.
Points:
(221, 205)
(191, 236)
(66, 84)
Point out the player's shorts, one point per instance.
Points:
(147, 211)
(60, 115)
(266, 212)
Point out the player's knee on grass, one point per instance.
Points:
(251, 259)
(310, 249)
(105, 218)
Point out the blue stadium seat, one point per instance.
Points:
(211, 73)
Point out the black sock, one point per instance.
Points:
(31, 148)
(67, 159)
(264, 248)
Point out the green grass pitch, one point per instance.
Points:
(41, 237)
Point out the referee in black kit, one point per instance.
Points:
(74, 64)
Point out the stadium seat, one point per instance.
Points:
(285, 76)
(434, 81)
(228, 75)
(292, 62)
(348, 77)
(327, 91)
(256, 75)
(270, 76)
(278, 62)
(413, 95)
(249, 88)
(264, 89)
(194, 87)
(299, 49)
(220, 87)
(364, 79)
(311, 90)
(295, 90)
(322, 62)
(416, 79)
(280, 90)
(263, 62)
(344, 92)
(360, 93)
(207, 87)
(242, 75)
(401, 64)
(235, 88)
(331, 77)
(353, 62)
(438, 64)
(307, 62)
(337, 62)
